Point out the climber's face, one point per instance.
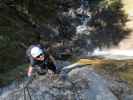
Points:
(40, 57)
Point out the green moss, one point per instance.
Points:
(128, 76)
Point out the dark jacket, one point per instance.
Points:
(41, 65)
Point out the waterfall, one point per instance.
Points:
(84, 16)
(113, 53)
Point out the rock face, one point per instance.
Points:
(78, 84)
(93, 86)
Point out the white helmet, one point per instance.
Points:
(36, 51)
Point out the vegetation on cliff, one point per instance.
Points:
(23, 22)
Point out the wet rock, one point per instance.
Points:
(96, 89)
(79, 84)
(119, 88)
(128, 97)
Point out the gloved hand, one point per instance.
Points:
(58, 68)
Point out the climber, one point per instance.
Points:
(40, 60)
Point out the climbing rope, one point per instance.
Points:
(26, 88)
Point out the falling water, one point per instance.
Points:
(113, 53)
(84, 16)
